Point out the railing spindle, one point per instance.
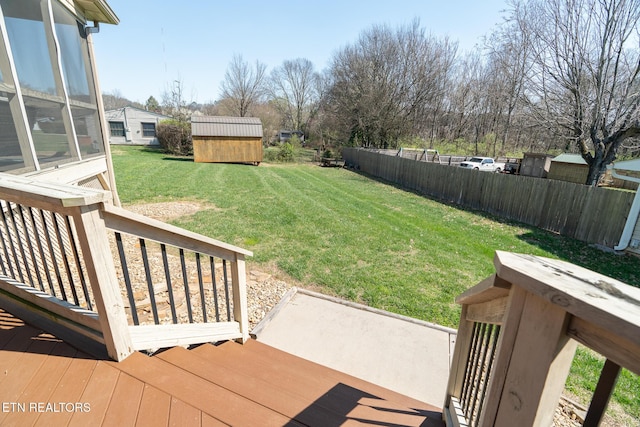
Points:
(78, 260)
(127, 279)
(480, 374)
(63, 254)
(72, 284)
(470, 369)
(37, 230)
(5, 241)
(602, 393)
(11, 236)
(167, 276)
(202, 298)
(147, 272)
(492, 353)
(215, 287)
(226, 288)
(19, 241)
(52, 253)
(185, 279)
(26, 237)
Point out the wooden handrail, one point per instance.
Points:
(48, 195)
(545, 307)
(125, 221)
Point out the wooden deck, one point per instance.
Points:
(44, 381)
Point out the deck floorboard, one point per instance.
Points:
(229, 384)
(154, 407)
(327, 388)
(123, 407)
(69, 389)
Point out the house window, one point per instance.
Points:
(116, 128)
(149, 130)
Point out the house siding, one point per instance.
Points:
(132, 119)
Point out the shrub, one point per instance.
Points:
(174, 137)
(270, 155)
(287, 152)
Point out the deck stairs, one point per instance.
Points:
(227, 384)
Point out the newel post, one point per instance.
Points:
(92, 236)
(239, 285)
(533, 360)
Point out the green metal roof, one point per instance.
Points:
(569, 158)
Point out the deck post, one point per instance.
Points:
(92, 236)
(239, 285)
(539, 363)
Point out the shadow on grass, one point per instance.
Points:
(178, 159)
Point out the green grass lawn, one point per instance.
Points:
(350, 236)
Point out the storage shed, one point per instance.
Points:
(536, 165)
(220, 139)
(569, 167)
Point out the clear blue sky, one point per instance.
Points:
(160, 41)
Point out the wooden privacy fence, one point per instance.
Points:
(590, 214)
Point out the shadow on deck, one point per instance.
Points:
(44, 381)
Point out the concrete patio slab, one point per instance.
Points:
(403, 354)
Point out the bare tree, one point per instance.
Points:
(115, 100)
(387, 83)
(294, 91)
(507, 66)
(174, 102)
(243, 85)
(584, 77)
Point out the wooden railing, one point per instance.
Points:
(57, 271)
(518, 334)
(214, 299)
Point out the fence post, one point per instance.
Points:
(92, 236)
(239, 285)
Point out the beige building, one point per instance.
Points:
(569, 167)
(219, 139)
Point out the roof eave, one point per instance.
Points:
(98, 11)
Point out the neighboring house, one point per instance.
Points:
(569, 167)
(133, 126)
(286, 135)
(221, 139)
(50, 110)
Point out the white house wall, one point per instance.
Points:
(630, 241)
(132, 118)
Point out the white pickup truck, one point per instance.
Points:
(483, 164)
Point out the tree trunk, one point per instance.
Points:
(595, 171)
